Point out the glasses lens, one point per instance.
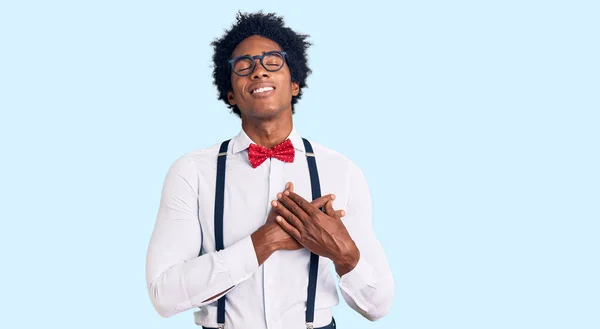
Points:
(273, 61)
(243, 66)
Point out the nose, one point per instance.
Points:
(259, 71)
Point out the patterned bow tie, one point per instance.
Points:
(258, 154)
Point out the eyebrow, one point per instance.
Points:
(264, 52)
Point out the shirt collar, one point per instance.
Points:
(242, 141)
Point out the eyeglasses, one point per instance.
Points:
(243, 66)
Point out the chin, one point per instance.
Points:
(266, 112)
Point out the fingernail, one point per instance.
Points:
(278, 218)
(286, 192)
(287, 185)
(333, 197)
(274, 203)
(278, 195)
(343, 213)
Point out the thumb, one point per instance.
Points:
(289, 186)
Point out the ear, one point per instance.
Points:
(295, 89)
(230, 98)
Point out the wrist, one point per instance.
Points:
(262, 244)
(347, 261)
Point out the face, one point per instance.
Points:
(265, 104)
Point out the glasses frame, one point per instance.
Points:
(253, 60)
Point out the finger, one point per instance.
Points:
(288, 215)
(320, 202)
(334, 213)
(302, 203)
(292, 206)
(329, 208)
(291, 230)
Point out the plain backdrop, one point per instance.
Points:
(476, 124)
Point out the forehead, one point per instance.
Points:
(255, 45)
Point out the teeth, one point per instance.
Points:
(263, 89)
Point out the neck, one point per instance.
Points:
(268, 132)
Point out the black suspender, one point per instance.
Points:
(315, 186)
(219, 207)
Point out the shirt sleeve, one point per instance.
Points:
(369, 287)
(178, 278)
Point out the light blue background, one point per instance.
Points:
(475, 122)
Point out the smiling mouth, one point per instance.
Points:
(259, 91)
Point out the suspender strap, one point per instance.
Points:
(219, 206)
(314, 258)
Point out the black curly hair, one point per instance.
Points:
(271, 27)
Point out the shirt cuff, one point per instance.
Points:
(240, 259)
(355, 281)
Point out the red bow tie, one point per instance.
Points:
(258, 154)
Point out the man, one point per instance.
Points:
(243, 232)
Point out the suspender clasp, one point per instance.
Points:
(309, 325)
(220, 325)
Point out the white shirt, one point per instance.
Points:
(274, 294)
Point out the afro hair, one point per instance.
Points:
(269, 26)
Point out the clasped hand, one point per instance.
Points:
(323, 233)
